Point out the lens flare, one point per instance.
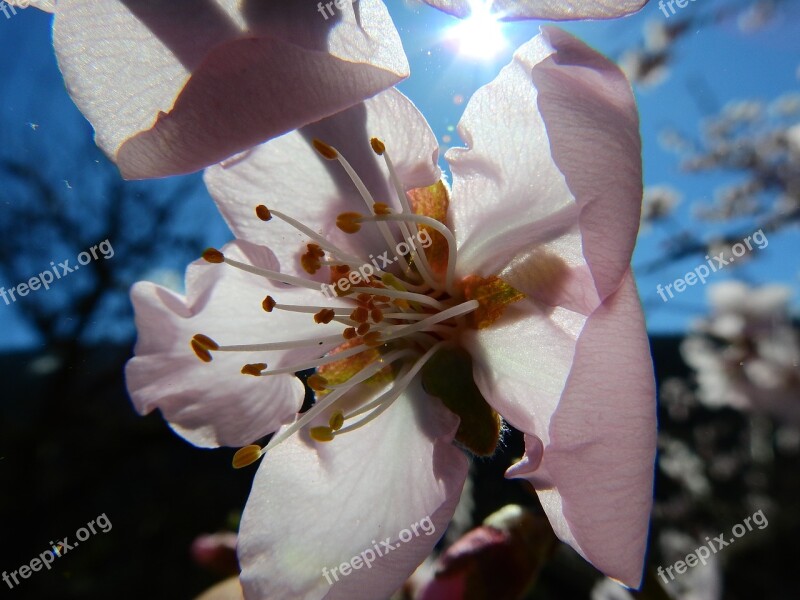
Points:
(479, 36)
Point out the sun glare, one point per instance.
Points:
(479, 36)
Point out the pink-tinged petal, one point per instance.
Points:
(593, 126)
(287, 174)
(214, 404)
(595, 480)
(552, 141)
(172, 87)
(522, 362)
(316, 506)
(555, 10)
(45, 5)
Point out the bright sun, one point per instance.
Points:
(480, 35)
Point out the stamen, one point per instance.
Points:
(360, 315)
(247, 456)
(331, 339)
(321, 434)
(336, 421)
(363, 329)
(330, 358)
(388, 236)
(273, 275)
(377, 146)
(315, 250)
(450, 313)
(381, 208)
(418, 253)
(201, 344)
(213, 256)
(201, 352)
(325, 316)
(349, 333)
(338, 392)
(332, 248)
(206, 341)
(268, 304)
(262, 212)
(254, 369)
(438, 226)
(349, 222)
(327, 152)
(385, 400)
(410, 296)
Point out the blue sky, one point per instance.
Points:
(731, 65)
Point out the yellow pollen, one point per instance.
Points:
(246, 456)
(262, 212)
(317, 382)
(268, 304)
(324, 149)
(321, 434)
(336, 421)
(377, 146)
(349, 222)
(213, 255)
(254, 369)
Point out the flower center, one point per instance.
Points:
(397, 311)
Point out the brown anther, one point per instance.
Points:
(382, 298)
(315, 250)
(377, 146)
(317, 383)
(310, 263)
(324, 316)
(246, 456)
(262, 212)
(321, 434)
(268, 304)
(201, 352)
(376, 314)
(324, 149)
(363, 329)
(364, 298)
(381, 208)
(349, 333)
(349, 222)
(206, 342)
(360, 315)
(373, 339)
(254, 369)
(213, 255)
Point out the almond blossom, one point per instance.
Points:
(172, 87)
(522, 305)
